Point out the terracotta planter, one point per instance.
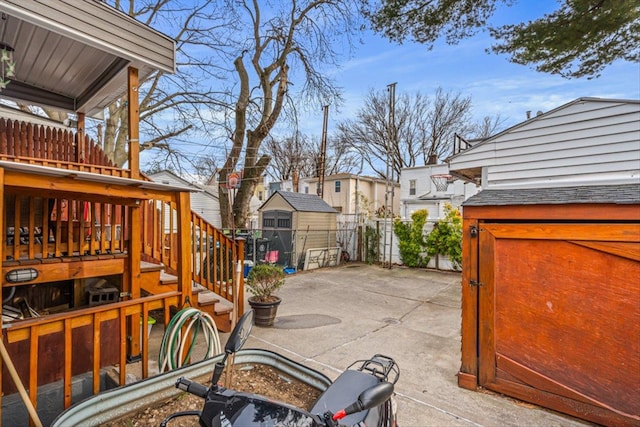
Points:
(264, 312)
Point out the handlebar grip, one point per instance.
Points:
(192, 387)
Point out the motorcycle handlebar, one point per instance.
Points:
(192, 387)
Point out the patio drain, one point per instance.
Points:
(304, 321)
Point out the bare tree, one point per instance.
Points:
(341, 158)
(301, 153)
(449, 115)
(425, 130)
(294, 42)
(172, 106)
(289, 155)
(488, 126)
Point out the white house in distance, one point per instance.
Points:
(431, 187)
(204, 201)
(588, 141)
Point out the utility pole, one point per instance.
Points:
(323, 151)
(394, 139)
(391, 88)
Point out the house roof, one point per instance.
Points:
(157, 177)
(74, 55)
(601, 194)
(536, 118)
(302, 202)
(341, 176)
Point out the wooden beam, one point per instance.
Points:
(65, 270)
(82, 156)
(55, 323)
(184, 245)
(469, 366)
(68, 187)
(3, 212)
(579, 212)
(133, 275)
(68, 363)
(133, 112)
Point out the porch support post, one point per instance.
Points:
(2, 233)
(133, 111)
(81, 156)
(184, 246)
(133, 279)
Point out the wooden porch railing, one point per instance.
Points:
(41, 227)
(212, 252)
(66, 327)
(47, 146)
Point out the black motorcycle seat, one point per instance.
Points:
(343, 392)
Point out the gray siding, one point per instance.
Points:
(589, 141)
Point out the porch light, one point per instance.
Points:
(22, 275)
(7, 64)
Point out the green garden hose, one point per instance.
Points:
(175, 338)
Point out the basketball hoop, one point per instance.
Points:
(442, 181)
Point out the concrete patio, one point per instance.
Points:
(332, 317)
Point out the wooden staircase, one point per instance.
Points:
(155, 280)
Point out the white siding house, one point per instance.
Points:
(203, 200)
(419, 191)
(589, 141)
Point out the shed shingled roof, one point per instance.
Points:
(605, 194)
(302, 202)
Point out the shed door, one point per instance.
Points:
(277, 229)
(559, 317)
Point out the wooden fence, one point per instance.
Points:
(48, 146)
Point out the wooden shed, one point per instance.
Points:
(293, 223)
(551, 298)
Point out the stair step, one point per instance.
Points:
(220, 310)
(168, 279)
(207, 298)
(148, 267)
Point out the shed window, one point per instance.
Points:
(337, 186)
(284, 223)
(268, 222)
(412, 187)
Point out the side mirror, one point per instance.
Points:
(370, 398)
(240, 333)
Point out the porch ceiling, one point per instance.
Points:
(470, 174)
(73, 55)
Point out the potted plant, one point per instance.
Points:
(263, 280)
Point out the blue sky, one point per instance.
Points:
(495, 85)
